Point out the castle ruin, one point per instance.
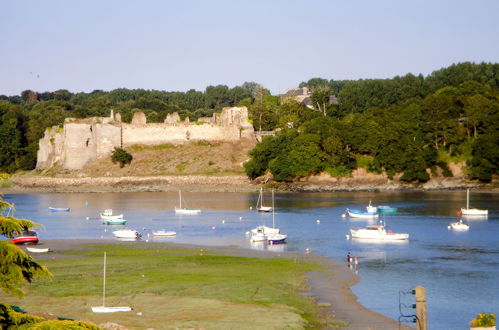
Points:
(81, 141)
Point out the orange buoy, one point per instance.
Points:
(458, 213)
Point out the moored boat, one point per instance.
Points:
(472, 212)
(24, 237)
(115, 221)
(59, 209)
(362, 214)
(164, 233)
(109, 215)
(459, 225)
(378, 232)
(37, 250)
(259, 203)
(127, 233)
(184, 210)
(386, 208)
(276, 238)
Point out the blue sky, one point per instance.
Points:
(178, 45)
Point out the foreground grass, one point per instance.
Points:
(178, 288)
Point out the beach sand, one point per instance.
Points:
(330, 288)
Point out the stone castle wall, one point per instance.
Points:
(81, 141)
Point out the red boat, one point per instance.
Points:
(26, 236)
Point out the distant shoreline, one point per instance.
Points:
(227, 183)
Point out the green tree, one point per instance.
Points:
(121, 156)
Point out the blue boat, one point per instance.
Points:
(59, 209)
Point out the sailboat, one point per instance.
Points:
(184, 210)
(259, 204)
(468, 211)
(103, 308)
(276, 237)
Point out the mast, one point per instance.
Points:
(104, 283)
(180, 198)
(258, 202)
(273, 221)
(467, 199)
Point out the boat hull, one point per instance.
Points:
(115, 222)
(26, 237)
(475, 212)
(276, 238)
(377, 234)
(162, 233)
(186, 211)
(59, 209)
(459, 226)
(127, 233)
(265, 209)
(360, 214)
(37, 250)
(103, 309)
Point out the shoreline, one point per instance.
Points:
(213, 183)
(330, 288)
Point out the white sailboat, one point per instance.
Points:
(259, 204)
(103, 308)
(459, 226)
(473, 212)
(184, 210)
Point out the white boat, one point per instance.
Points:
(127, 233)
(474, 212)
(371, 209)
(362, 214)
(37, 250)
(459, 226)
(184, 210)
(259, 203)
(378, 232)
(103, 308)
(108, 215)
(164, 233)
(270, 234)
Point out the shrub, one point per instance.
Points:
(483, 320)
(121, 156)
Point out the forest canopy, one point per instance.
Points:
(408, 125)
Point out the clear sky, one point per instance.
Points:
(85, 45)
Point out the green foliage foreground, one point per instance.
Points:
(152, 268)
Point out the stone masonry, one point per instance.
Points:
(81, 141)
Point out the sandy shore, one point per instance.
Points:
(331, 288)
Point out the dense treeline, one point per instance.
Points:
(408, 125)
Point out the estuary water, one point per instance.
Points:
(460, 270)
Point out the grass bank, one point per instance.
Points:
(175, 288)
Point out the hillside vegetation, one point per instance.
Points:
(409, 126)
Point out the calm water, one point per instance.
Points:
(460, 270)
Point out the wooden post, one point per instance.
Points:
(422, 321)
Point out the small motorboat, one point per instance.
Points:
(115, 221)
(164, 233)
(378, 232)
(24, 237)
(263, 229)
(59, 209)
(108, 215)
(276, 239)
(362, 214)
(37, 250)
(127, 233)
(459, 226)
(386, 208)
